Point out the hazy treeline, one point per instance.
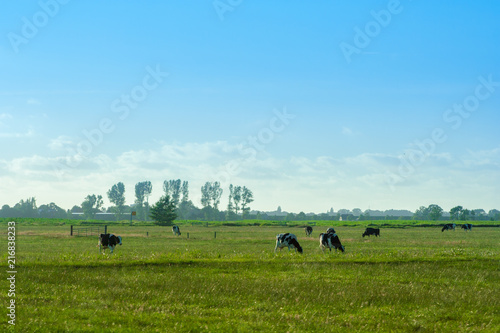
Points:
(238, 207)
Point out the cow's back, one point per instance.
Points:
(104, 239)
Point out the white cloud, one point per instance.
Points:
(61, 142)
(347, 131)
(296, 182)
(33, 101)
(4, 116)
(18, 135)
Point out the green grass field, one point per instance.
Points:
(409, 279)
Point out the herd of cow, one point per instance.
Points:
(329, 239)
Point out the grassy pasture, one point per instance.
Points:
(409, 279)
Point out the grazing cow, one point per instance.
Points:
(287, 240)
(309, 231)
(108, 241)
(467, 226)
(330, 240)
(371, 231)
(449, 226)
(176, 230)
(330, 231)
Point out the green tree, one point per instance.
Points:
(455, 212)
(421, 214)
(301, 216)
(91, 205)
(494, 214)
(215, 195)
(236, 199)
(357, 212)
(230, 214)
(185, 191)
(246, 199)
(435, 212)
(163, 211)
(117, 196)
(172, 188)
(464, 215)
(27, 208)
(142, 192)
(52, 211)
(205, 195)
(210, 198)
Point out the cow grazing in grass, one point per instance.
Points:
(467, 226)
(287, 240)
(308, 230)
(371, 231)
(330, 240)
(108, 241)
(330, 231)
(449, 226)
(176, 231)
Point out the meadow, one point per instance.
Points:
(228, 279)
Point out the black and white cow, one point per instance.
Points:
(371, 231)
(330, 231)
(330, 240)
(108, 241)
(449, 226)
(176, 231)
(287, 240)
(467, 226)
(308, 230)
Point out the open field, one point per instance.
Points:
(409, 279)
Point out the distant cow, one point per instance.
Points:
(287, 240)
(467, 226)
(330, 231)
(371, 231)
(330, 240)
(449, 226)
(309, 231)
(108, 241)
(176, 230)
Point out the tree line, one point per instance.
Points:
(175, 199)
(176, 202)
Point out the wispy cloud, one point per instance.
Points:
(33, 101)
(18, 135)
(319, 182)
(4, 116)
(61, 143)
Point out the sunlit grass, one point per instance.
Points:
(406, 280)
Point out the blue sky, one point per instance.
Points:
(372, 104)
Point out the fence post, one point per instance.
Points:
(147, 233)
(188, 235)
(71, 233)
(215, 234)
(105, 229)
